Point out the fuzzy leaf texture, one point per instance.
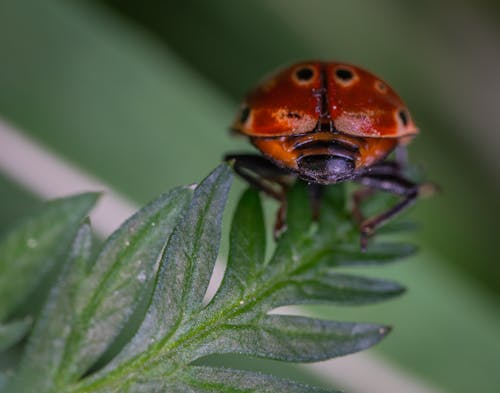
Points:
(156, 268)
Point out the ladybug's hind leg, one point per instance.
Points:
(265, 176)
(390, 180)
(358, 197)
(383, 169)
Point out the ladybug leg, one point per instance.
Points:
(261, 174)
(401, 153)
(358, 197)
(395, 184)
(280, 222)
(387, 168)
(265, 176)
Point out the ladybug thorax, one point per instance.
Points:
(325, 157)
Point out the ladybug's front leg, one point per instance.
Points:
(265, 176)
(262, 174)
(381, 170)
(394, 183)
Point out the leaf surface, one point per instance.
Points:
(36, 245)
(247, 247)
(210, 379)
(45, 349)
(163, 258)
(119, 279)
(186, 265)
(12, 332)
(293, 338)
(335, 288)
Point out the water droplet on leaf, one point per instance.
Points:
(141, 276)
(32, 243)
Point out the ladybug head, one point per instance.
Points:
(326, 169)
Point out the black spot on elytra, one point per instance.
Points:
(381, 86)
(403, 115)
(344, 74)
(304, 74)
(245, 113)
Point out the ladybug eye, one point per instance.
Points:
(403, 116)
(303, 75)
(245, 114)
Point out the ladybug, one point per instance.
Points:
(324, 123)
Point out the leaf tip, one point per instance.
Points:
(384, 330)
(89, 196)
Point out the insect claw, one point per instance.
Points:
(428, 189)
(363, 240)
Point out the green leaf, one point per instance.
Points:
(12, 332)
(299, 214)
(376, 254)
(335, 288)
(34, 247)
(186, 265)
(119, 279)
(45, 349)
(293, 338)
(247, 245)
(333, 210)
(162, 259)
(210, 380)
(334, 198)
(398, 226)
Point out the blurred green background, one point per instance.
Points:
(140, 94)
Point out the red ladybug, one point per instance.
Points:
(326, 122)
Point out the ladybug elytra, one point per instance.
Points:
(326, 122)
